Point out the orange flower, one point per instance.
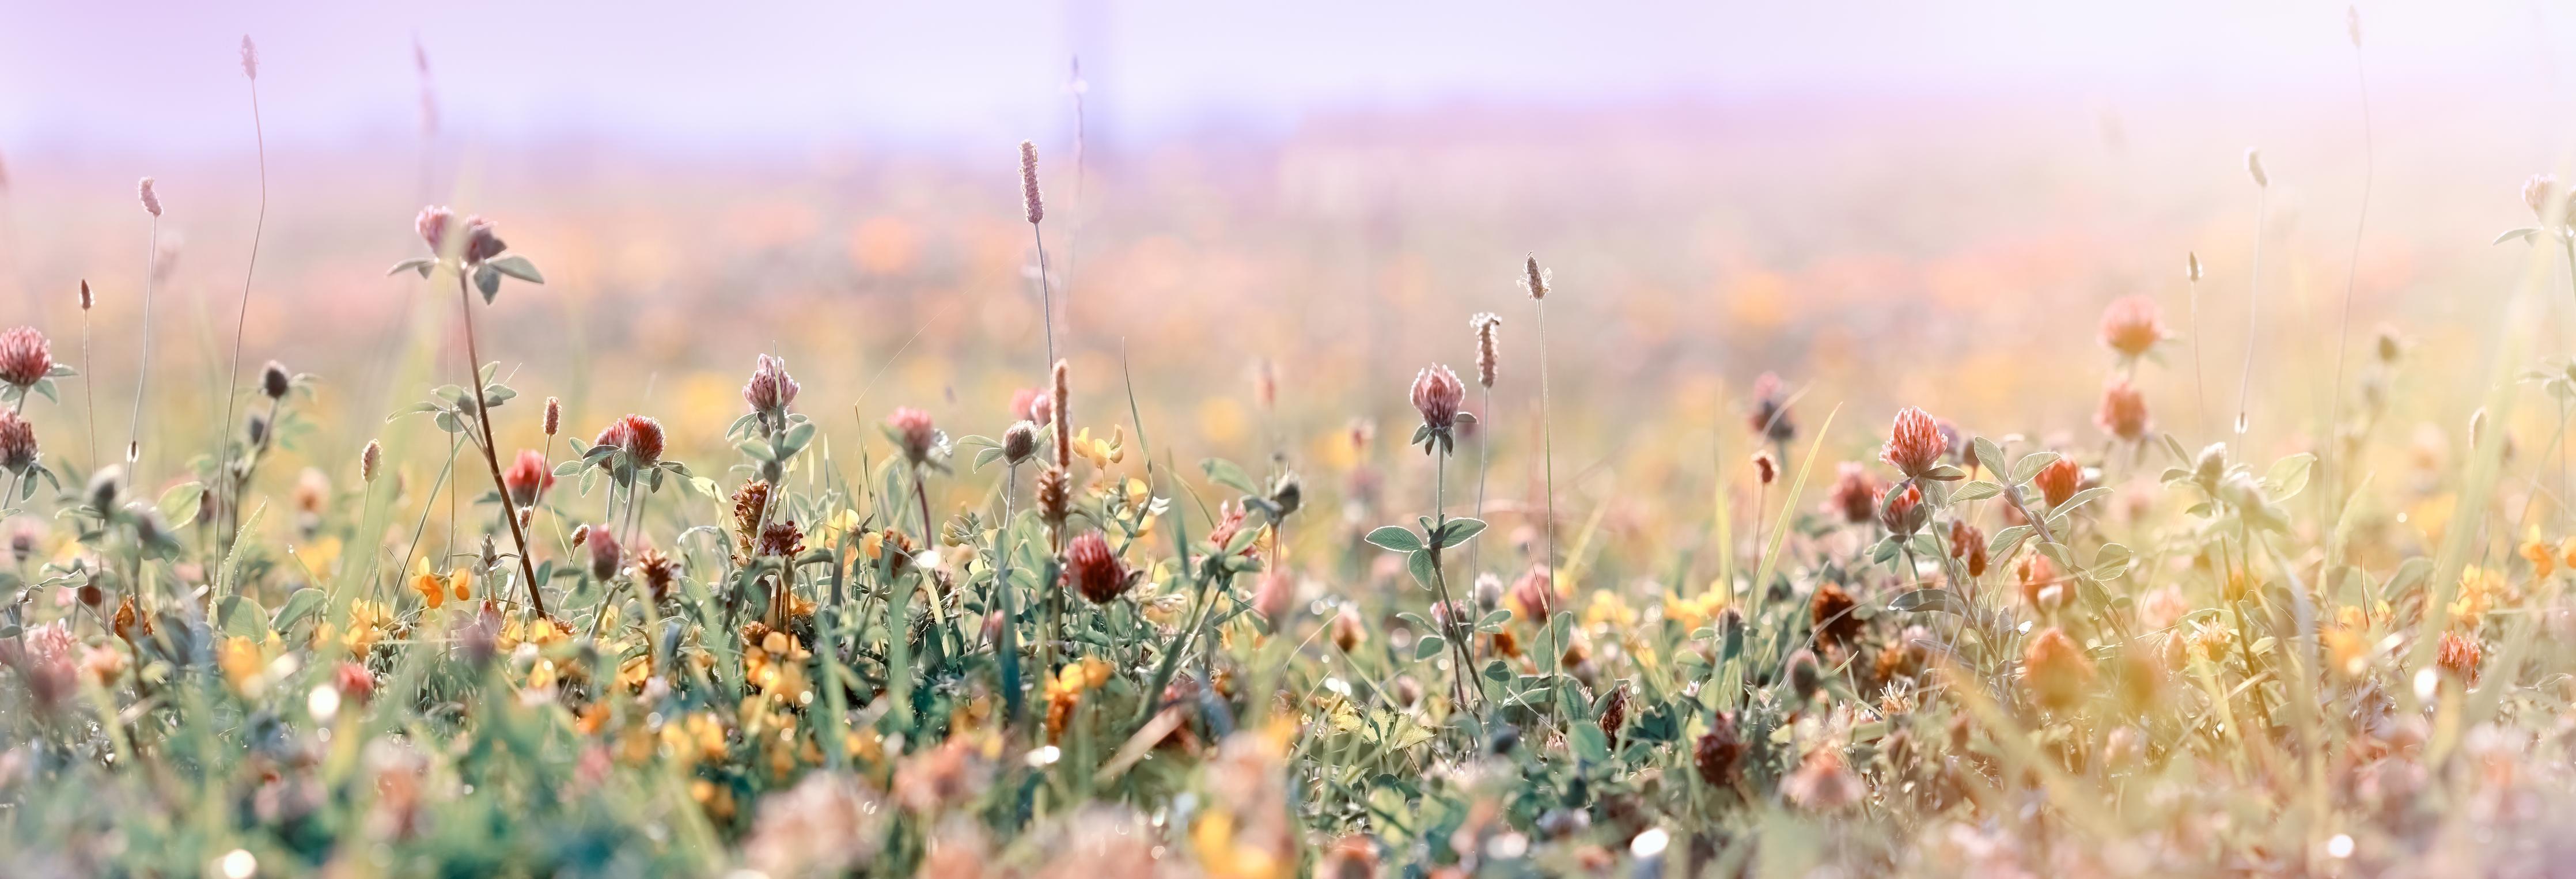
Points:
(2130, 326)
(2055, 670)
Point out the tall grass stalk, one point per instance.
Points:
(241, 315)
(2332, 496)
(2253, 293)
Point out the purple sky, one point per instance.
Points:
(162, 77)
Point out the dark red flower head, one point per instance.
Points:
(640, 438)
(2130, 326)
(528, 478)
(1769, 416)
(1855, 493)
(1093, 570)
(1902, 512)
(605, 554)
(1968, 545)
(1914, 445)
(17, 442)
(2059, 481)
(25, 357)
(1437, 393)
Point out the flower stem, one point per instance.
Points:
(491, 460)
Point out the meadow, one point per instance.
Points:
(1392, 498)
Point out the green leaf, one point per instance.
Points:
(419, 264)
(1420, 564)
(179, 504)
(1989, 455)
(1932, 600)
(488, 280)
(2003, 544)
(1225, 473)
(2511, 234)
(1591, 744)
(1459, 531)
(2288, 476)
(517, 266)
(303, 603)
(1395, 538)
(2030, 465)
(2076, 500)
(2110, 561)
(1429, 646)
(1946, 473)
(1976, 491)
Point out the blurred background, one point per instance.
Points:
(1886, 204)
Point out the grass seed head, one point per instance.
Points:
(151, 199)
(368, 459)
(1486, 324)
(1029, 198)
(249, 58)
(1535, 283)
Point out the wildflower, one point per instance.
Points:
(2058, 481)
(1830, 613)
(481, 242)
(1104, 451)
(1019, 442)
(658, 571)
(2540, 554)
(1806, 677)
(528, 479)
(1347, 630)
(1769, 417)
(1275, 597)
(1719, 753)
(1437, 394)
(355, 683)
(771, 390)
(1914, 445)
(25, 357)
(2055, 670)
(2041, 588)
(1093, 570)
(1823, 782)
(2481, 589)
(2540, 194)
(2162, 608)
(1901, 512)
(1614, 712)
(2131, 326)
(1485, 323)
(912, 430)
(2458, 656)
(1766, 469)
(2124, 411)
(1855, 494)
(275, 381)
(1025, 403)
(782, 539)
(434, 588)
(1968, 545)
(17, 443)
(635, 436)
(1533, 595)
(604, 552)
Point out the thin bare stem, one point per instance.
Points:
(1547, 442)
(1046, 292)
(89, 383)
(2351, 278)
(241, 315)
(1484, 462)
(2253, 309)
(143, 372)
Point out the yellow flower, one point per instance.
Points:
(2567, 552)
(2541, 556)
(2480, 590)
(1101, 452)
(1608, 609)
(434, 588)
(1697, 611)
